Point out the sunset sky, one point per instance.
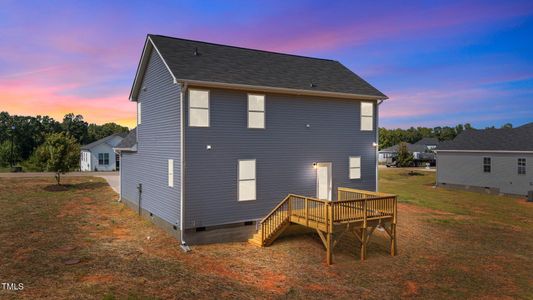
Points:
(440, 62)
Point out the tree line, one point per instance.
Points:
(391, 137)
(27, 133)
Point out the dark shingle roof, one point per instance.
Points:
(428, 141)
(235, 65)
(103, 140)
(504, 139)
(129, 141)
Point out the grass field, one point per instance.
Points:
(78, 242)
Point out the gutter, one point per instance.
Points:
(485, 151)
(378, 103)
(259, 88)
(184, 246)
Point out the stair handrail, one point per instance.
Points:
(276, 208)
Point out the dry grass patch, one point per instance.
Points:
(456, 248)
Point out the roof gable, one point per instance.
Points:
(103, 140)
(129, 141)
(201, 63)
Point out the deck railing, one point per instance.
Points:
(359, 204)
(352, 206)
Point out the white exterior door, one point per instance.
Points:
(323, 181)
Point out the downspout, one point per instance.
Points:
(184, 246)
(377, 144)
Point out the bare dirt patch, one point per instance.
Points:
(461, 259)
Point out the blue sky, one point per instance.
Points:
(440, 62)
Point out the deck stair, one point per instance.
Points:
(355, 211)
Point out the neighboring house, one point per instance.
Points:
(225, 133)
(498, 160)
(99, 155)
(422, 151)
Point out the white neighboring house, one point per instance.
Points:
(99, 155)
(497, 160)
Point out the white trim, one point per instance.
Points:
(279, 90)
(183, 89)
(170, 171)
(350, 167)
(134, 148)
(484, 151)
(329, 165)
(239, 179)
(363, 116)
(208, 107)
(377, 142)
(248, 110)
(143, 64)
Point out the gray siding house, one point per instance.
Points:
(422, 151)
(225, 133)
(99, 155)
(497, 160)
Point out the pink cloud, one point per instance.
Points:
(29, 98)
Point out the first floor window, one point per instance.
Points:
(355, 167)
(486, 164)
(246, 179)
(198, 108)
(103, 159)
(522, 166)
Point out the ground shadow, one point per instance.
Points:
(77, 186)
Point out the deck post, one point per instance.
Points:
(306, 203)
(329, 249)
(393, 245)
(363, 231)
(363, 243)
(393, 240)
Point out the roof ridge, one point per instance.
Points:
(242, 48)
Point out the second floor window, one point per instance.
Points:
(198, 108)
(486, 164)
(367, 116)
(521, 166)
(256, 111)
(103, 159)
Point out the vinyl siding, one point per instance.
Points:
(464, 168)
(284, 151)
(158, 138)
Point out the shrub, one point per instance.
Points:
(60, 153)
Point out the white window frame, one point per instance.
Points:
(489, 164)
(522, 163)
(138, 112)
(103, 159)
(366, 116)
(350, 167)
(257, 111)
(239, 180)
(208, 108)
(170, 169)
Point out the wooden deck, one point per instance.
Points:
(356, 211)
